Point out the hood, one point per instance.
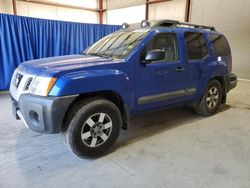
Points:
(55, 65)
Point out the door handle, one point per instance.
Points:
(180, 69)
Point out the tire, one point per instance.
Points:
(211, 99)
(93, 127)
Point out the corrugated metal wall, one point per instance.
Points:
(233, 19)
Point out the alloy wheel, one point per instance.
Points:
(96, 130)
(212, 97)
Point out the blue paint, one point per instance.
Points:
(130, 78)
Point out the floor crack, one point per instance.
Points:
(123, 168)
(131, 173)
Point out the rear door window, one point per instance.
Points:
(196, 45)
(220, 45)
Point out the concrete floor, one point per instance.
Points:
(171, 148)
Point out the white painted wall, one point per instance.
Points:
(105, 17)
(52, 12)
(174, 10)
(81, 3)
(118, 4)
(129, 15)
(6, 6)
(55, 13)
(116, 14)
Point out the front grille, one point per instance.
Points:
(20, 83)
(28, 83)
(18, 79)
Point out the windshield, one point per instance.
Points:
(117, 45)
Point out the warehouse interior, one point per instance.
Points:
(166, 148)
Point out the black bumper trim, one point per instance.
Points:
(230, 81)
(43, 114)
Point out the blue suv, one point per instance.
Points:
(142, 67)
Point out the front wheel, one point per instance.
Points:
(93, 128)
(211, 99)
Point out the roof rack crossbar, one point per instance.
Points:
(212, 28)
(175, 23)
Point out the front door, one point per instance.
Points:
(164, 82)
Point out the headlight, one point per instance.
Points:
(42, 85)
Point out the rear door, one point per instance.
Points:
(197, 58)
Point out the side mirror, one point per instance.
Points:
(154, 55)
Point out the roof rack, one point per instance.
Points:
(174, 23)
(164, 23)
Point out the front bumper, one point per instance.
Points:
(42, 114)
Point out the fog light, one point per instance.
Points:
(145, 23)
(125, 26)
(34, 118)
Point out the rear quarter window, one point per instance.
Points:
(196, 45)
(219, 45)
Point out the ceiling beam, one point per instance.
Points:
(14, 7)
(187, 10)
(146, 11)
(101, 11)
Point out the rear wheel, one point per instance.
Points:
(211, 99)
(93, 128)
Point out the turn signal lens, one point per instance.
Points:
(51, 84)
